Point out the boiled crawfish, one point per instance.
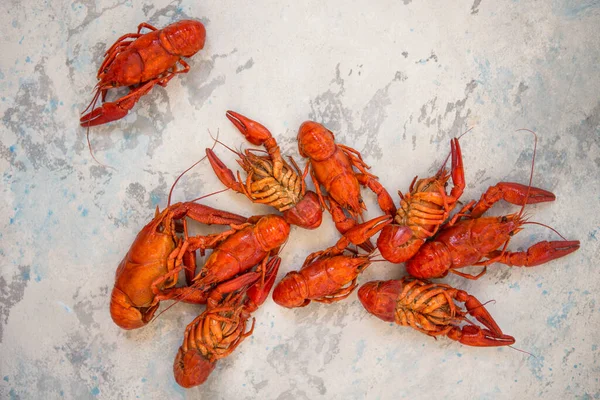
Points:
(471, 240)
(141, 61)
(329, 275)
(156, 256)
(430, 308)
(270, 179)
(423, 210)
(218, 331)
(332, 166)
(237, 250)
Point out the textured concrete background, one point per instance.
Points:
(395, 79)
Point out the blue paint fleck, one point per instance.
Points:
(459, 354)
(515, 286)
(592, 234)
(13, 394)
(6, 378)
(154, 199)
(25, 275)
(95, 391)
(12, 148)
(28, 59)
(20, 41)
(459, 381)
(539, 285)
(556, 320)
(144, 380)
(66, 307)
(84, 213)
(594, 347)
(50, 212)
(544, 292)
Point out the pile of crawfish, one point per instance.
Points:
(426, 231)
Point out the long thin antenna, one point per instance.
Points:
(183, 173)
(532, 166)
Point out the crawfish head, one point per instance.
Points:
(315, 141)
(186, 37)
(307, 213)
(380, 298)
(291, 292)
(272, 231)
(191, 368)
(126, 314)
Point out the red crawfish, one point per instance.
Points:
(148, 272)
(423, 210)
(329, 275)
(431, 309)
(332, 166)
(475, 240)
(221, 328)
(141, 61)
(270, 179)
(151, 265)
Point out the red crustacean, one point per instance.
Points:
(471, 240)
(330, 275)
(270, 179)
(430, 308)
(151, 265)
(423, 210)
(331, 165)
(238, 249)
(148, 272)
(218, 331)
(140, 61)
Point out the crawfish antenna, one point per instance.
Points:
(545, 226)
(184, 172)
(238, 153)
(532, 165)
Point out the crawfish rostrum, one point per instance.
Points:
(237, 276)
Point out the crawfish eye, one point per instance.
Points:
(160, 228)
(504, 219)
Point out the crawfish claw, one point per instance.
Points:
(107, 113)
(362, 232)
(254, 132)
(474, 336)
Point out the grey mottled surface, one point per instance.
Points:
(395, 79)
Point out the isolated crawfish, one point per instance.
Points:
(474, 240)
(270, 179)
(218, 331)
(332, 166)
(329, 275)
(148, 59)
(430, 308)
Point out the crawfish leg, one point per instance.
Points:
(165, 80)
(514, 193)
(341, 294)
(147, 26)
(537, 254)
